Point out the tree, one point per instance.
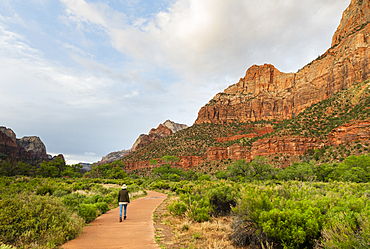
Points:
(72, 170)
(258, 169)
(324, 171)
(170, 159)
(300, 171)
(153, 162)
(354, 168)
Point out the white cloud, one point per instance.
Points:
(200, 39)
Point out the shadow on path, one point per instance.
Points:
(137, 231)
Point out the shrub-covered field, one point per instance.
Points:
(286, 214)
(302, 206)
(46, 212)
(306, 205)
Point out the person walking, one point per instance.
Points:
(123, 200)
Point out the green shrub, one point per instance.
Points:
(87, 212)
(74, 200)
(221, 175)
(159, 184)
(293, 226)
(45, 189)
(60, 193)
(102, 207)
(177, 208)
(199, 207)
(347, 230)
(222, 198)
(3, 246)
(204, 178)
(37, 220)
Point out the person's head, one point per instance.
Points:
(124, 186)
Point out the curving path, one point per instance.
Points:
(137, 231)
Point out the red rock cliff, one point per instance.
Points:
(265, 93)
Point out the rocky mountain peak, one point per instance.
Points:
(24, 148)
(355, 17)
(174, 127)
(34, 145)
(9, 132)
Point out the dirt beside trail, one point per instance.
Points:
(137, 231)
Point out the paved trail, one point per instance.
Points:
(137, 231)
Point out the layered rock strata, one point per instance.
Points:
(359, 131)
(265, 93)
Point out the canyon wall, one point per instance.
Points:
(265, 93)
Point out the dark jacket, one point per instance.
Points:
(123, 196)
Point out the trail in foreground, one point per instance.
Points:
(137, 231)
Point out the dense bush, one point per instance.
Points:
(177, 208)
(87, 212)
(203, 200)
(298, 215)
(222, 198)
(42, 220)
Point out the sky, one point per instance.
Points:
(89, 76)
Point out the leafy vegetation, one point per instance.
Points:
(46, 212)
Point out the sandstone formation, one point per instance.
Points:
(255, 133)
(9, 132)
(265, 93)
(163, 130)
(24, 148)
(235, 151)
(35, 146)
(349, 133)
(288, 145)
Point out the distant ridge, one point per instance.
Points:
(163, 130)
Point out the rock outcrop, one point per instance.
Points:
(163, 130)
(113, 156)
(348, 133)
(34, 145)
(265, 93)
(24, 148)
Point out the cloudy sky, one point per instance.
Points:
(89, 76)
